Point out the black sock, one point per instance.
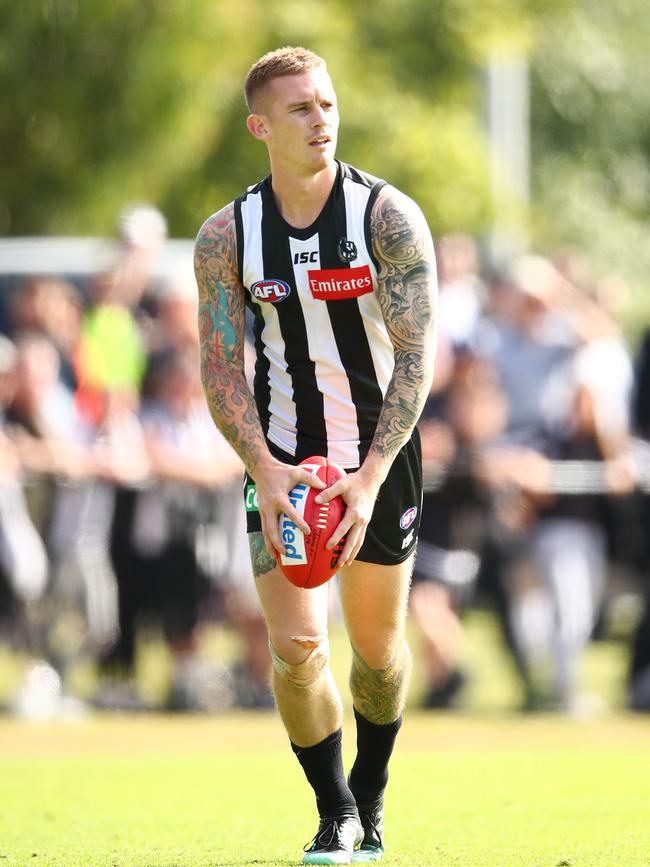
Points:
(323, 767)
(375, 743)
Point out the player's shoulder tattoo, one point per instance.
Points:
(221, 296)
(399, 231)
(215, 251)
(407, 270)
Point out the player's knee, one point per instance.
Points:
(294, 667)
(383, 655)
(380, 651)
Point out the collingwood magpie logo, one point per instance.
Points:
(347, 250)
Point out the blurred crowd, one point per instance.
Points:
(121, 510)
(534, 439)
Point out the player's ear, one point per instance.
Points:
(257, 126)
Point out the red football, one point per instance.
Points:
(305, 560)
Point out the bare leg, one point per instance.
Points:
(307, 698)
(374, 600)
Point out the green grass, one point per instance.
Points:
(471, 791)
(481, 788)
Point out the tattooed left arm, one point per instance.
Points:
(407, 294)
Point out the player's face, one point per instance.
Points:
(301, 120)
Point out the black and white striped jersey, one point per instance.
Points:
(323, 355)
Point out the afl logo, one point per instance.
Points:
(270, 290)
(408, 517)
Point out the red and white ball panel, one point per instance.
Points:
(305, 561)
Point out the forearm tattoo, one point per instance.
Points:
(407, 295)
(380, 694)
(221, 332)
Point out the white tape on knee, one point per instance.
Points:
(306, 673)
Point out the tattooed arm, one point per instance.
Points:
(222, 317)
(221, 331)
(407, 293)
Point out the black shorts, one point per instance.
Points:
(391, 535)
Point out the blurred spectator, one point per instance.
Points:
(638, 676)
(638, 680)
(456, 522)
(23, 561)
(569, 548)
(29, 441)
(51, 306)
(529, 341)
(142, 231)
(111, 353)
(43, 422)
(157, 536)
(175, 306)
(556, 358)
(112, 344)
(120, 504)
(461, 290)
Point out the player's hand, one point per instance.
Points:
(359, 492)
(274, 480)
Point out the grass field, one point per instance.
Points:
(484, 787)
(201, 792)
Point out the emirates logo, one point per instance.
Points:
(332, 284)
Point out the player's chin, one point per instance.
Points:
(322, 158)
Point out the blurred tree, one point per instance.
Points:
(412, 120)
(407, 74)
(591, 139)
(108, 101)
(120, 100)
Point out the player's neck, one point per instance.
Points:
(300, 199)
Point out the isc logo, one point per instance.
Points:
(270, 290)
(305, 258)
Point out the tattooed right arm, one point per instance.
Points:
(221, 330)
(221, 326)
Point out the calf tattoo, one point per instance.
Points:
(379, 694)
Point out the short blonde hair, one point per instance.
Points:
(275, 64)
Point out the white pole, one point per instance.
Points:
(508, 129)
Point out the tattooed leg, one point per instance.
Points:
(379, 695)
(374, 600)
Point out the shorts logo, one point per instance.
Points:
(332, 284)
(251, 499)
(270, 290)
(347, 250)
(407, 540)
(408, 517)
